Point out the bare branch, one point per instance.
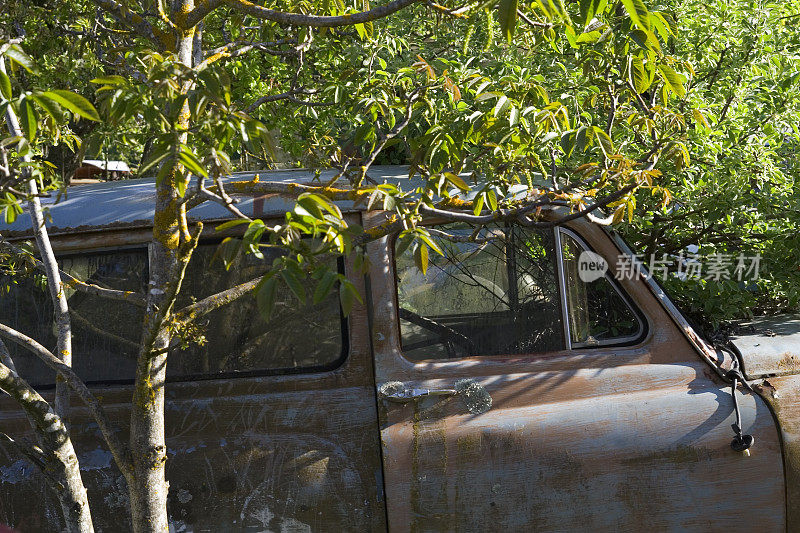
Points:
(128, 18)
(317, 21)
(392, 134)
(532, 23)
(80, 388)
(292, 190)
(72, 282)
(215, 301)
(57, 461)
(289, 96)
(238, 48)
(204, 7)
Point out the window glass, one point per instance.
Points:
(598, 313)
(493, 292)
(106, 332)
(238, 339)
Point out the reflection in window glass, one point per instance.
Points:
(598, 314)
(106, 333)
(493, 292)
(238, 339)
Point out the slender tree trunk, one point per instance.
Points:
(61, 460)
(169, 252)
(56, 458)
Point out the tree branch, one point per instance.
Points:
(57, 461)
(289, 96)
(128, 18)
(215, 301)
(204, 7)
(72, 282)
(317, 21)
(79, 387)
(239, 48)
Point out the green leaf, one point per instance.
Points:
(265, 296)
(231, 224)
(421, 257)
(5, 85)
(109, 80)
(27, 119)
(74, 102)
(18, 56)
(638, 13)
(491, 198)
(570, 33)
(347, 296)
(295, 285)
(13, 209)
(478, 207)
(403, 242)
(430, 242)
(156, 156)
(604, 141)
(191, 162)
(589, 8)
(507, 17)
(558, 7)
(589, 37)
(456, 180)
(580, 139)
(673, 79)
(50, 107)
(645, 39)
(567, 142)
(501, 105)
(324, 286)
(639, 78)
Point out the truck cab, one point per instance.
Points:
(528, 379)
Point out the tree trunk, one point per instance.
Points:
(169, 253)
(61, 462)
(57, 459)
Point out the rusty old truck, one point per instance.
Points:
(499, 391)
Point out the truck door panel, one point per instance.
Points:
(595, 438)
(256, 450)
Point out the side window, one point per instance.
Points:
(106, 333)
(494, 292)
(598, 312)
(238, 339)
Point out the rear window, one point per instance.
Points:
(235, 338)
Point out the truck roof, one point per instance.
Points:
(131, 203)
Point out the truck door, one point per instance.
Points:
(271, 425)
(516, 396)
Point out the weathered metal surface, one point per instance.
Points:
(783, 395)
(627, 438)
(769, 346)
(131, 203)
(272, 453)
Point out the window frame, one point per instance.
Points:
(641, 318)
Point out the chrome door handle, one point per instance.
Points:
(474, 395)
(395, 391)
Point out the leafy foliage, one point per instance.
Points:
(741, 192)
